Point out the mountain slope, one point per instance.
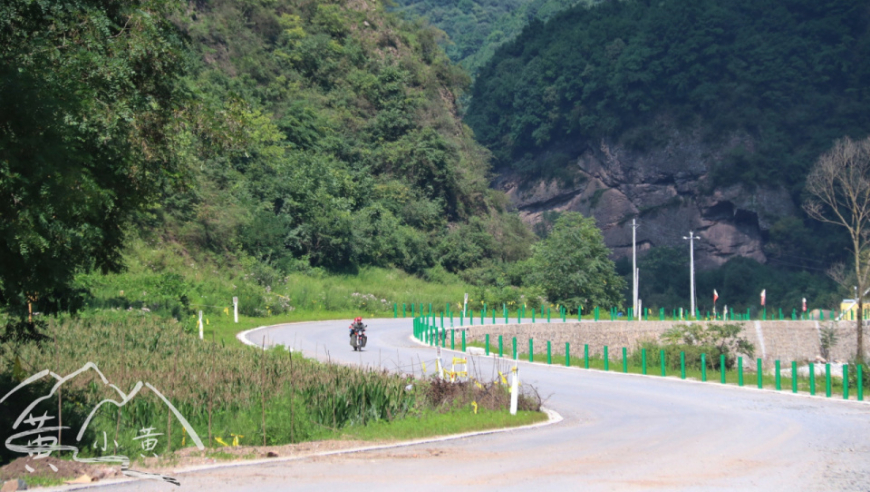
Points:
(476, 28)
(691, 115)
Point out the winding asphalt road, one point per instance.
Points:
(620, 432)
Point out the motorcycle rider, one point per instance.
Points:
(357, 326)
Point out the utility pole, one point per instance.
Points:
(634, 275)
(691, 239)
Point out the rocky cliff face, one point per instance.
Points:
(667, 189)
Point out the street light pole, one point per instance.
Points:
(691, 239)
(634, 278)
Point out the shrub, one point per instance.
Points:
(693, 339)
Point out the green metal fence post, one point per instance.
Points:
(533, 315)
(548, 315)
(567, 354)
(828, 380)
(682, 365)
(395, 310)
(794, 375)
(531, 351)
(722, 367)
(453, 339)
(778, 379)
(643, 360)
(740, 371)
(703, 367)
(760, 374)
(664, 362)
(487, 344)
(860, 388)
(846, 381)
(404, 313)
(514, 346)
(463, 340)
(624, 360)
(606, 360)
(500, 346)
(586, 356)
(812, 379)
(549, 351)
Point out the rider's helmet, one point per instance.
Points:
(358, 319)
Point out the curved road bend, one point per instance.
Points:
(619, 433)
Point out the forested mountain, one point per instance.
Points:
(699, 115)
(476, 28)
(792, 75)
(364, 160)
(271, 137)
(300, 134)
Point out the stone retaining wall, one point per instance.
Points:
(774, 340)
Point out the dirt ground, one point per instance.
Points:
(51, 467)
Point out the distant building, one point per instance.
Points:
(849, 309)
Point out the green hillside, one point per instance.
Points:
(476, 28)
(793, 75)
(263, 137)
(282, 151)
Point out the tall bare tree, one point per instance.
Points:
(840, 187)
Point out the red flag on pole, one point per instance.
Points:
(763, 294)
(805, 304)
(715, 296)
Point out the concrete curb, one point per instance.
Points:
(659, 378)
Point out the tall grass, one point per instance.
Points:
(224, 390)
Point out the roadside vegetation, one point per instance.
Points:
(224, 390)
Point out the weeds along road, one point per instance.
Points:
(620, 432)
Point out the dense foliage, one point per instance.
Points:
(476, 28)
(357, 158)
(791, 75)
(572, 265)
(303, 135)
(89, 101)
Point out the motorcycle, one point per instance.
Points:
(358, 339)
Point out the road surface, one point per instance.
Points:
(620, 432)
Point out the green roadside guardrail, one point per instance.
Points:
(426, 330)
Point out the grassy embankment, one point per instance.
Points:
(168, 282)
(225, 390)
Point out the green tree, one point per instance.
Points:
(89, 102)
(572, 266)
